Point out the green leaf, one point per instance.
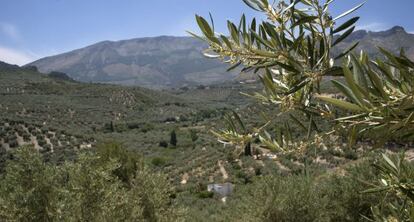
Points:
(242, 24)
(237, 117)
(304, 20)
(359, 74)
(297, 121)
(212, 21)
(233, 32)
(345, 90)
(352, 85)
(298, 86)
(204, 26)
(341, 103)
(290, 6)
(261, 40)
(254, 4)
(234, 66)
(343, 36)
(377, 83)
(353, 133)
(334, 71)
(344, 53)
(346, 25)
(389, 162)
(196, 36)
(226, 41)
(349, 11)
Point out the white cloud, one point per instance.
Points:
(13, 56)
(10, 31)
(375, 27)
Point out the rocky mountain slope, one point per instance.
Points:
(162, 62)
(393, 39)
(150, 62)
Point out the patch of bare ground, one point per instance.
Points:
(185, 178)
(282, 167)
(223, 170)
(409, 155)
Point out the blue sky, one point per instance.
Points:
(31, 29)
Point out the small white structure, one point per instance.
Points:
(224, 189)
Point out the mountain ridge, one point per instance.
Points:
(153, 62)
(171, 61)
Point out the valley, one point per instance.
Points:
(61, 117)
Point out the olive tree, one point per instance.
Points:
(292, 53)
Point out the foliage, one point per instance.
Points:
(158, 161)
(305, 197)
(85, 190)
(293, 46)
(291, 50)
(380, 95)
(163, 143)
(28, 189)
(193, 135)
(130, 162)
(205, 194)
(396, 178)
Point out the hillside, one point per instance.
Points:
(58, 114)
(150, 62)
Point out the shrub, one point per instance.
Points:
(130, 162)
(147, 127)
(85, 190)
(47, 147)
(163, 143)
(158, 161)
(193, 135)
(41, 142)
(305, 197)
(26, 136)
(13, 143)
(205, 194)
(350, 154)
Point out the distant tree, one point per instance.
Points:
(173, 138)
(112, 126)
(193, 135)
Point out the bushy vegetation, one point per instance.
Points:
(306, 197)
(93, 188)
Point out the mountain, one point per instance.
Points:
(150, 62)
(162, 62)
(393, 39)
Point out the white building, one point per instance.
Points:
(224, 189)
